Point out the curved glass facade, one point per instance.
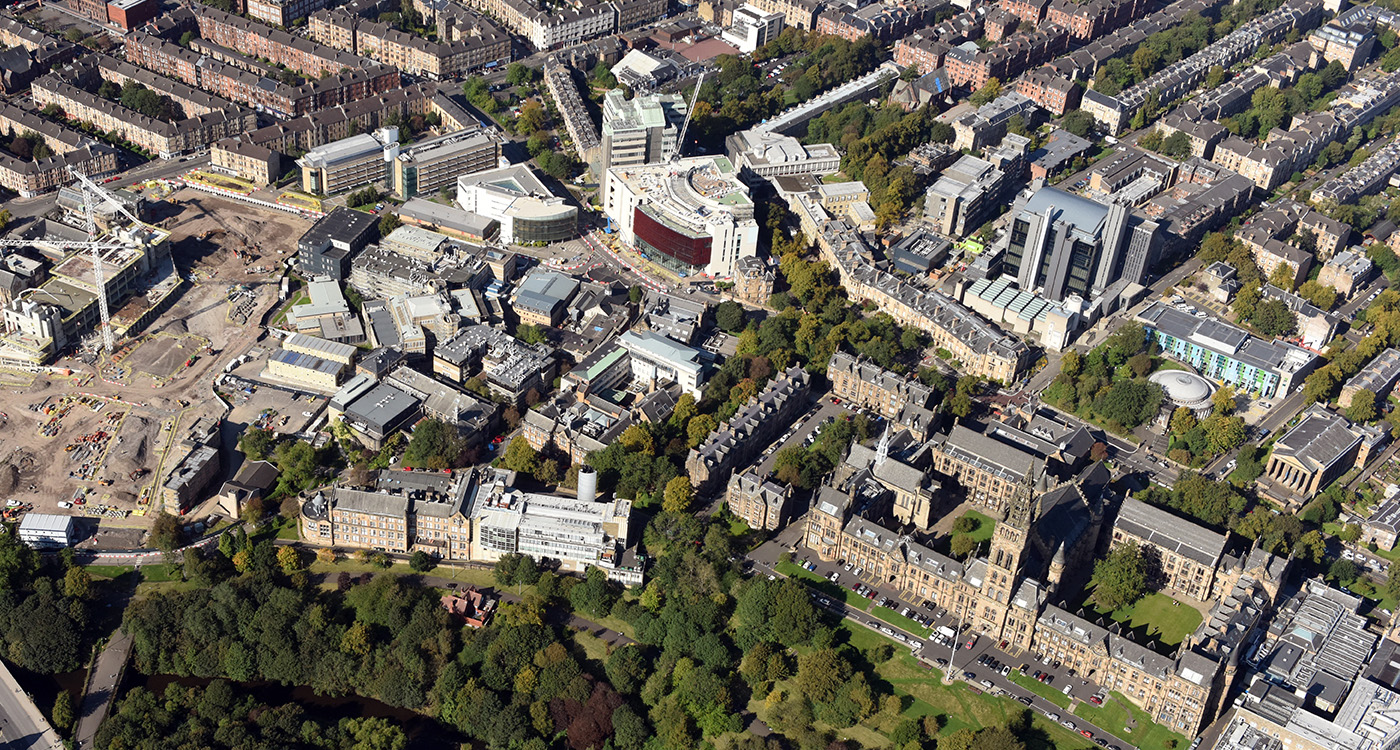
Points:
(692, 251)
(557, 228)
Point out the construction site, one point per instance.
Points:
(107, 430)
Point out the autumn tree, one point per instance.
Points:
(678, 495)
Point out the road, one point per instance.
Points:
(22, 724)
(960, 659)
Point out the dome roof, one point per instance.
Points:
(1184, 388)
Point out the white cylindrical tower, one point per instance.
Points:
(587, 484)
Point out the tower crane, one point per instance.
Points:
(680, 138)
(93, 195)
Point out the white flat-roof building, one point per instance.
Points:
(641, 130)
(769, 155)
(46, 530)
(513, 196)
(579, 532)
(693, 214)
(752, 28)
(656, 358)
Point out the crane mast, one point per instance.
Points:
(680, 138)
(91, 197)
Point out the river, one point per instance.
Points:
(423, 731)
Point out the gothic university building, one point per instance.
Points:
(1040, 556)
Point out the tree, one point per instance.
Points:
(1215, 76)
(64, 713)
(1224, 433)
(530, 334)
(77, 584)
(678, 496)
(1350, 533)
(962, 545)
(1183, 421)
(966, 524)
(635, 294)
(1282, 277)
(521, 456)
(435, 445)
(1363, 406)
(166, 532)
(1177, 145)
(1273, 318)
(1223, 401)
(699, 428)
(289, 559)
(324, 555)
(989, 91)
(1325, 297)
(1343, 572)
(388, 223)
(729, 316)
(256, 443)
(532, 117)
(1121, 578)
(1078, 122)
(1140, 364)
(422, 561)
(821, 674)
(519, 74)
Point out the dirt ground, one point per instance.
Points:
(111, 443)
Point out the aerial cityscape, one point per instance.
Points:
(716, 374)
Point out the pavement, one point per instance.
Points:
(22, 724)
(959, 658)
(102, 688)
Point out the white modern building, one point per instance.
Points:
(693, 215)
(657, 359)
(514, 197)
(580, 532)
(752, 28)
(46, 530)
(642, 130)
(769, 155)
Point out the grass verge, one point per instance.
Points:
(899, 621)
(1112, 716)
(851, 598)
(1039, 688)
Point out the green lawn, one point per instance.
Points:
(985, 525)
(1149, 735)
(959, 705)
(157, 573)
(1163, 617)
(593, 647)
(899, 621)
(851, 598)
(1047, 692)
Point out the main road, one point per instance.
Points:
(22, 724)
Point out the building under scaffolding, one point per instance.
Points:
(139, 278)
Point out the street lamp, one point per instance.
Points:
(956, 644)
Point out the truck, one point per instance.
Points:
(947, 632)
